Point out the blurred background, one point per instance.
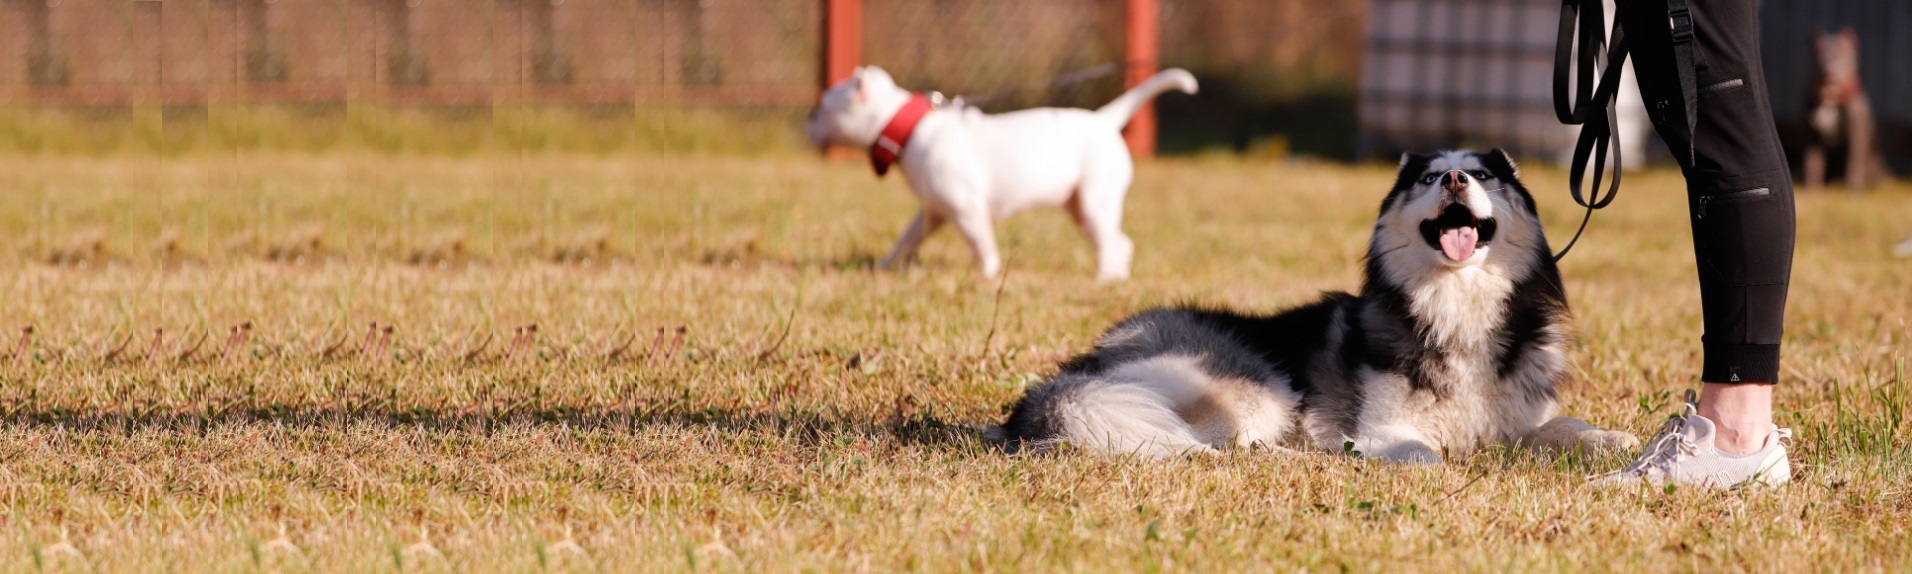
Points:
(1345, 80)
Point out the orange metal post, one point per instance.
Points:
(842, 48)
(1144, 41)
(842, 39)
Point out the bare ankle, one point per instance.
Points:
(1733, 440)
(1742, 414)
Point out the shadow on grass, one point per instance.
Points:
(749, 257)
(808, 428)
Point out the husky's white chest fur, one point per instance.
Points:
(1464, 311)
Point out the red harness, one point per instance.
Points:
(889, 146)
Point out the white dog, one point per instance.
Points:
(971, 169)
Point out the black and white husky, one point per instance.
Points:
(1454, 343)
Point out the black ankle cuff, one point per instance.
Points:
(1741, 364)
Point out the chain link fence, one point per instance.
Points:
(1277, 75)
(649, 75)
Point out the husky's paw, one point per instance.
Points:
(1405, 452)
(1565, 434)
(1608, 441)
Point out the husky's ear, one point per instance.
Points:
(1498, 163)
(1411, 158)
(1412, 166)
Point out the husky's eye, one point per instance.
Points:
(1430, 178)
(1480, 175)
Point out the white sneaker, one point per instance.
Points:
(1684, 453)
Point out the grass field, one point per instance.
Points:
(327, 363)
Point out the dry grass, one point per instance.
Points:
(328, 364)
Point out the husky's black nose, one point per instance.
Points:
(1454, 181)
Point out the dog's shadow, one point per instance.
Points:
(749, 257)
(805, 428)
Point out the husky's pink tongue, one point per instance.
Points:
(1458, 243)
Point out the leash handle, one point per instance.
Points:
(1591, 29)
(1597, 136)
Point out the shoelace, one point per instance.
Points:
(1669, 448)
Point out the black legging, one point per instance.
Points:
(1739, 190)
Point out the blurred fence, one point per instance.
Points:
(103, 75)
(408, 52)
(1278, 76)
(1448, 73)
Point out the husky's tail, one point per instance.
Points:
(1119, 111)
(1099, 414)
(1159, 407)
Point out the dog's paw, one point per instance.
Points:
(1608, 441)
(1405, 452)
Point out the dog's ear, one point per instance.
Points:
(1500, 164)
(1409, 158)
(1412, 166)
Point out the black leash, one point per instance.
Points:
(1597, 136)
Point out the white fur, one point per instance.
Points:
(1167, 406)
(1394, 421)
(1404, 424)
(970, 169)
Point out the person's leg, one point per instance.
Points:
(1740, 204)
(1738, 184)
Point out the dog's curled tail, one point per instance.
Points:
(1113, 415)
(1119, 111)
